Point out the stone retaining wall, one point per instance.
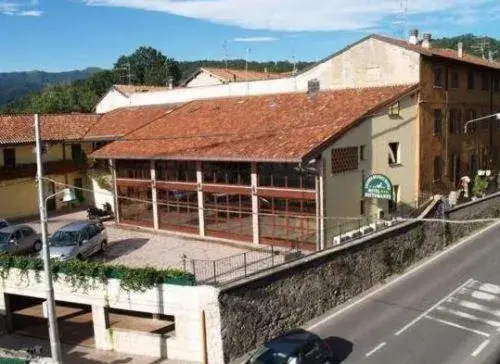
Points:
(260, 307)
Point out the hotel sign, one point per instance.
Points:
(378, 186)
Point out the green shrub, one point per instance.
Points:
(81, 274)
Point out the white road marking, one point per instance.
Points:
(375, 349)
(490, 288)
(406, 275)
(441, 301)
(452, 324)
(480, 295)
(480, 347)
(468, 316)
(473, 306)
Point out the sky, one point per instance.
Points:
(59, 35)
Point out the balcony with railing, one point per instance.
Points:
(29, 170)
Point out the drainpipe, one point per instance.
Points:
(201, 201)
(490, 151)
(154, 197)
(112, 167)
(255, 205)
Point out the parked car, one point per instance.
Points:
(79, 240)
(3, 223)
(294, 347)
(19, 239)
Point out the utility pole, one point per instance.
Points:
(49, 289)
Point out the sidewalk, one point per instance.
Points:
(80, 354)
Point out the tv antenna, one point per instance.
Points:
(127, 68)
(226, 55)
(482, 46)
(400, 25)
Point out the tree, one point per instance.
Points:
(147, 66)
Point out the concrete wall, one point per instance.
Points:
(112, 100)
(366, 64)
(204, 79)
(258, 308)
(343, 191)
(18, 198)
(186, 304)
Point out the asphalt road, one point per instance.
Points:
(444, 312)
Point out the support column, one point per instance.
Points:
(100, 319)
(112, 167)
(201, 199)
(255, 205)
(154, 197)
(6, 312)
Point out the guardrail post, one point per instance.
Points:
(215, 273)
(245, 262)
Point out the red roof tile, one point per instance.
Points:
(15, 129)
(285, 127)
(233, 75)
(120, 122)
(439, 52)
(131, 89)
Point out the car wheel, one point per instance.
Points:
(104, 246)
(37, 246)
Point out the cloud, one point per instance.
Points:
(293, 15)
(254, 39)
(20, 8)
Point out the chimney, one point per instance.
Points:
(313, 86)
(426, 43)
(413, 37)
(460, 49)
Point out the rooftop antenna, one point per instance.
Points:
(127, 67)
(226, 56)
(248, 50)
(482, 46)
(400, 25)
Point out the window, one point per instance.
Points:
(344, 159)
(438, 79)
(394, 157)
(133, 169)
(393, 204)
(472, 163)
(284, 175)
(362, 207)
(361, 152)
(438, 116)
(455, 121)
(470, 80)
(27, 232)
(93, 230)
(9, 158)
(485, 84)
(472, 127)
(454, 79)
(76, 152)
(455, 168)
(437, 168)
(179, 171)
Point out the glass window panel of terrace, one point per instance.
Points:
(287, 221)
(133, 169)
(228, 215)
(178, 171)
(178, 210)
(284, 175)
(231, 173)
(134, 205)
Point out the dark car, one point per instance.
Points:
(294, 347)
(19, 239)
(3, 223)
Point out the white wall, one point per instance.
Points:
(343, 191)
(204, 79)
(100, 195)
(112, 100)
(185, 303)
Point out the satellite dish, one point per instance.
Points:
(68, 195)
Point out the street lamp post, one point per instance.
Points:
(496, 116)
(49, 289)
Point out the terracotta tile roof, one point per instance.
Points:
(285, 127)
(16, 129)
(439, 52)
(233, 75)
(120, 122)
(131, 89)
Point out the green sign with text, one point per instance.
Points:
(378, 186)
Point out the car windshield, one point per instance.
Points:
(65, 238)
(3, 224)
(268, 356)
